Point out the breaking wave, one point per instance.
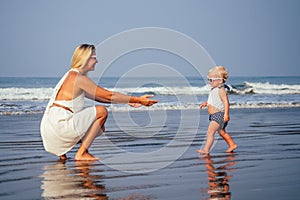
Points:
(18, 100)
(246, 88)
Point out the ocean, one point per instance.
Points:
(21, 95)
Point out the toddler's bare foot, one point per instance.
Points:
(231, 148)
(86, 157)
(202, 151)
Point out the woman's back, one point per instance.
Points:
(69, 89)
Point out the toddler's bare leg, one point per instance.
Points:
(229, 140)
(212, 128)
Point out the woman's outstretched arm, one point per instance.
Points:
(102, 95)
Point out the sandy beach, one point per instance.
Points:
(265, 165)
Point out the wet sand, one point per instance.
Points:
(265, 165)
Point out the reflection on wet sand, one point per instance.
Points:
(61, 181)
(218, 178)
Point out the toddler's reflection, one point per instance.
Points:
(218, 178)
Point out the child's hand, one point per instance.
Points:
(226, 118)
(203, 105)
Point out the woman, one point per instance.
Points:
(66, 122)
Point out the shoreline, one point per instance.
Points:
(233, 106)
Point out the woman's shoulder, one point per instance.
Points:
(71, 77)
(74, 78)
(73, 73)
(76, 75)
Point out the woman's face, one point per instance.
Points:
(90, 65)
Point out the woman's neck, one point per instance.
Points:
(80, 71)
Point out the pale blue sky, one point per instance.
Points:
(255, 37)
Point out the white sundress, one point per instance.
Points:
(61, 129)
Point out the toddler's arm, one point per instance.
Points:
(203, 105)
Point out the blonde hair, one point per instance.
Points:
(81, 54)
(220, 71)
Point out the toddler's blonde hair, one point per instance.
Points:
(220, 71)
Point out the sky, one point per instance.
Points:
(250, 38)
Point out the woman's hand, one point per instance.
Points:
(135, 105)
(144, 101)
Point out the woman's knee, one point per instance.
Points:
(101, 112)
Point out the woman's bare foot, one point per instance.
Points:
(202, 151)
(231, 148)
(63, 157)
(86, 156)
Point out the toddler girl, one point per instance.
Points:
(218, 109)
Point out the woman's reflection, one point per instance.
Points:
(64, 182)
(218, 178)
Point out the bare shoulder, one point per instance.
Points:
(73, 73)
(84, 82)
(75, 76)
(71, 76)
(77, 79)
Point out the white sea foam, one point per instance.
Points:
(165, 90)
(249, 88)
(25, 93)
(18, 100)
(267, 88)
(45, 93)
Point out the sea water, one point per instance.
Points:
(22, 95)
